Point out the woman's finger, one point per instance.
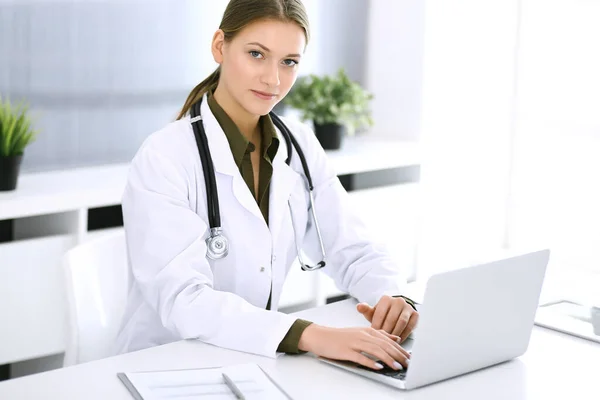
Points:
(396, 307)
(381, 310)
(380, 354)
(393, 341)
(412, 324)
(402, 321)
(357, 357)
(395, 338)
(392, 348)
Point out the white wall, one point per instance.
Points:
(339, 37)
(468, 89)
(394, 61)
(101, 75)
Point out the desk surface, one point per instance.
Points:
(556, 366)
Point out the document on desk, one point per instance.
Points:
(249, 380)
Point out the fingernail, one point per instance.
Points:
(378, 366)
(408, 360)
(397, 365)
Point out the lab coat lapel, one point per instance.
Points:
(223, 160)
(283, 181)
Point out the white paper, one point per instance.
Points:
(206, 383)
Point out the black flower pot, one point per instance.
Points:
(9, 172)
(330, 135)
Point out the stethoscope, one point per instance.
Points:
(217, 245)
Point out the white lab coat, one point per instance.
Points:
(178, 293)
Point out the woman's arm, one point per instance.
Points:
(167, 253)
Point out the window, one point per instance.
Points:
(555, 192)
(511, 137)
(468, 103)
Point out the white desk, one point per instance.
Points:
(556, 366)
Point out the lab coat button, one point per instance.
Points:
(262, 269)
(274, 258)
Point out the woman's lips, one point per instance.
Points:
(263, 95)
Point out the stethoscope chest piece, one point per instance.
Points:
(217, 245)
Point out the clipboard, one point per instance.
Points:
(252, 381)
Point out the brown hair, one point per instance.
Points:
(239, 14)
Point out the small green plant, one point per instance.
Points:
(332, 99)
(16, 130)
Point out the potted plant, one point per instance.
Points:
(334, 103)
(16, 133)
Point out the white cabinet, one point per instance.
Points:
(49, 215)
(31, 298)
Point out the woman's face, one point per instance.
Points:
(260, 65)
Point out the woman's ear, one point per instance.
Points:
(217, 46)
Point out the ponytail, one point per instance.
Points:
(199, 91)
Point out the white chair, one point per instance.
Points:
(97, 282)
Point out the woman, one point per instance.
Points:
(180, 290)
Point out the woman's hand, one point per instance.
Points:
(349, 343)
(391, 314)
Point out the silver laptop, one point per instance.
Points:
(470, 319)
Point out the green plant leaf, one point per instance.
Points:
(16, 131)
(331, 99)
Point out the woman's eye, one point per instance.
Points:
(255, 54)
(290, 63)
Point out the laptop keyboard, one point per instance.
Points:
(388, 371)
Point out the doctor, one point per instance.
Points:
(210, 264)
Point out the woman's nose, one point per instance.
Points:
(270, 75)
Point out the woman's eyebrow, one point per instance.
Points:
(265, 48)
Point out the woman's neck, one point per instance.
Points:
(246, 123)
